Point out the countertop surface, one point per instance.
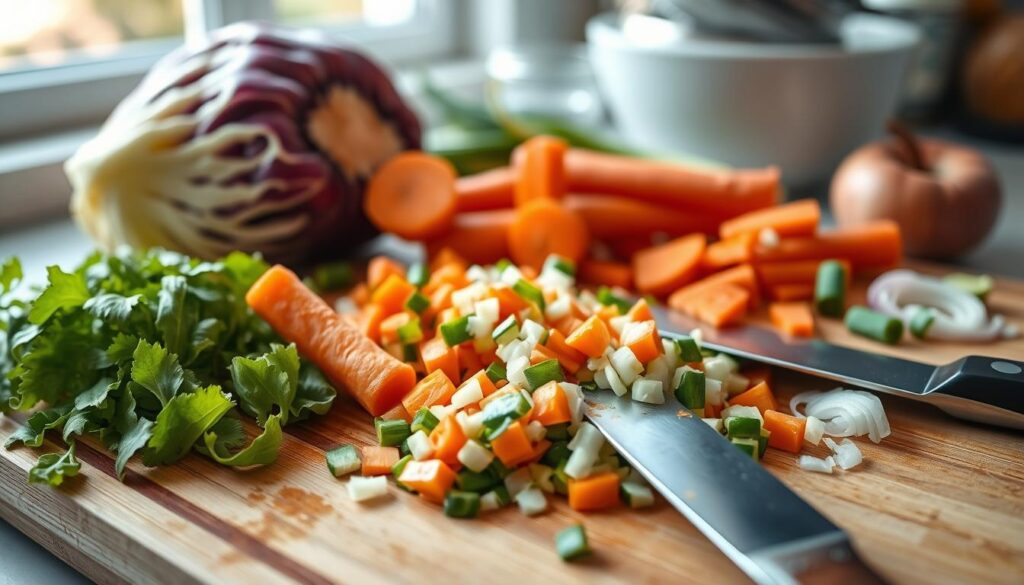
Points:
(59, 242)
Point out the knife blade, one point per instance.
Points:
(761, 525)
(976, 388)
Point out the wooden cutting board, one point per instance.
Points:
(939, 501)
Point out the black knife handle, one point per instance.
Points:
(983, 389)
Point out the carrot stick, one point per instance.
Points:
(614, 217)
(797, 218)
(541, 170)
(606, 272)
(792, 318)
(787, 432)
(729, 252)
(759, 396)
(493, 189)
(742, 275)
(796, 291)
(480, 237)
(771, 274)
(722, 306)
(543, 227)
(662, 269)
(349, 359)
(871, 245)
(412, 195)
(513, 446)
(724, 191)
(551, 405)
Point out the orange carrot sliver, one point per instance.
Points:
(435, 388)
(569, 357)
(412, 195)
(615, 274)
(662, 269)
(480, 237)
(787, 432)
(513, 446)
(541, 169)
(369, 320)
(541, 228)
(644, 341)
(431, 479)
(742, 275)
(397, 413)
(797, 218)
(771, 274)
(640, 311)
(792, 318)
(871, 245)
(723, 306)
(493, 189)
(447, 438)
(380, 268)
(759, 396)
(791, 292)
(551, 405)
(597, 492)
(591, 338)
(437, 356)
(734, 250)
(391, 295)
(348, 358)
(616, 218)
(378, 460)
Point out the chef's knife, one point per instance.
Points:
(763, 527)
(976, 388)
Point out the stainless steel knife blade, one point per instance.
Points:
(989, 390)
(761, 525)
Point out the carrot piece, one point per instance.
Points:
(412, 195)
(541, 353)
(758, 374)
(723, 306)
(797, 218)
(662, 269)
(737, 249)
(447, 438)
(480, 237)
(569, 358)
(431, 479)
(378, 460)
(486, 385)
(447, 257)
(389, 327)
(597, 492)
(380, 268)
(870, 245)
(539, 448)
(469, 361)
(640, 311)
(792, 318)
(493, 189)
(441, 298)
(791, 292)
(509, 302)
(435, 388)
(452, 274)
(551, 405)
(541, 170)
(391, 295)
(643, 340)
(743, 275)
(606, 272)
(679, 186)
(513, 446)
(617, 218)
(566, 325)
(591, 338)
(760, 396)
(541, 228)
(787, 432)
(369, 319)
(360, 294)
(771, 274)
(348, 358)
(397, 413)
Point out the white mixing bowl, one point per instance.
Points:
(801, 107)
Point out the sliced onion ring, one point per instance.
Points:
(846, 413)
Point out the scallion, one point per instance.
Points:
(920, 321)
(830, 289)
(506, 331)
(423, 420)
(343, 460)
(571, 543)
(456, 331)
(391, 432)
(333, 276)
(606, 297)
(563, 265)
(874, 325)
(417, 303)
(541, 373)
(459, 504)
(690, 391)
(529, 292)
(417, 275)
(689, 351)
(496, 371)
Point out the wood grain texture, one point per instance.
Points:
(939, 501)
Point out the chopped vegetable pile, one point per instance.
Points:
(153, 354)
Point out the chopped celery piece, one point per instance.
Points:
(830, 289)
(571, 543)
(404, 448)
(560, 479)
(605, 296)
(556, 454)
(410, 352)
(688, 350)
(332, 276)
(424, 420)
(874, 325)
(491, 433)
(559, 432)
(496, 371)
(546, 371)
(921, 319)
(501, 411)
(417, 275)
(391, 432)
(471, 481)
(978, 285)
(417, 303)
(563, 265)
(749, 446)
(741, 427)
(343, 460)
(502, 494)
(529, 292)
(396, 471)
(498, 469)
(506, 331)
(502, 264)
(456, 331)
(636, 495)
(410, 332)
(459, 504)
(690, 391)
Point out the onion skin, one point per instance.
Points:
(944, 209)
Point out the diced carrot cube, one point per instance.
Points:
(644, 341)
(551, 405)
(378, 460)
(591, 338)
(447, 438)
(392, 294)
(431, 479)
(435, 388)
(597, 492)
(759, 396)
(513, 446)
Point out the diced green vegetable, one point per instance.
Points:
(333, 276)
(689, 351)
(636, 495)
(417, 275)
(498, 469)
(472, 481)
(459, 504)
(563, 265)
(546, 371)
(978, 285)
(748, 446)
(589, 386)
(502, 264)
(830, 289)
(456, 331)
(491, 433)
(690, 391)
(391, 432)
(417, 303)
(410, 332)
(606, 297)
(496, 371)
(423, 420)
(404, 448)
(410, 352)
(556, 454)
(560, 479)
(741, 427)
(559, 432)
(506, 331)
(762, 442)
(396, 471)
(343, 460)
(571, 543)
(920, 321)
(505, 409)
(529, 292)
(501, 492)
(874, 325)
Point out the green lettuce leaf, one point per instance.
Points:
(112, 306)
(261, 451)
(175, 317)
(157, 370)
(31, 434)
(64, 291)
(52, 468)
(266, 385)
(182, 421)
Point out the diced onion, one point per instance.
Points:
(470, 393)
(846, 453)
(531, 501)
(361, 489)
(768, 238)
(811, 463)
(648, 391)
(814, 430)
(474, 456)
(846, 413)
(958, 315)
(535, 431)
(614, 381)
(626, 365)
(420, 446)
(518, 481)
